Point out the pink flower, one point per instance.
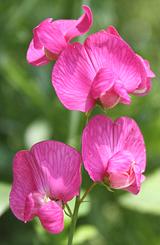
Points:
(51, 37)
(103, 70)
(114, 152)
(45, 178)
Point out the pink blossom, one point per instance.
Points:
(105, 70)
(51, 37)
(114, 152)
(45, 178)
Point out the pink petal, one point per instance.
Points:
(23, 183)
(116, 94)
(120, 162)
(33, 201)
(109, 99)
(36, 40)
(121, 91)
(60, 169)
(72, 78)
(120, 170)
(107, 50)
(97, 146)
(103, 81)
(50, 38)
(51, 217)
(112, 30)
(130, 138)
(146, 85)
(135, 187)
(74, 28)
(36, 57)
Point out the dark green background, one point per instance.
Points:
(27, 99)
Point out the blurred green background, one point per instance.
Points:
(30, 111)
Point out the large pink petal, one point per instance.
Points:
(74, 28)
(51, 217)
(60, 167)
(23, 184)
(72, 77)
(109, 51)
(35, 56)
(97, 146)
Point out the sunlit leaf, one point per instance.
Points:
(4, 197)
(37, 131)
(148, 200)
(85, 233)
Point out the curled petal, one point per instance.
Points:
(136, 185)
(35, 56)
(103, 81)
(50, 38)
(120, 170)
(122, 92)
(36, 31)
(146, 85)
(74, 28)
(51, 217)
(82, 25)
(23, 184)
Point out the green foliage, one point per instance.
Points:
(30, 111)
(4, 194)
(148, 200)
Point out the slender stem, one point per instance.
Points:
(69, 210)
(74, 221)
(87, 191)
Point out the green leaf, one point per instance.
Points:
(4, 197)
(148, 200)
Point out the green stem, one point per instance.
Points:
(75, 213)
(69, 210)
(87, 191)
(74, 221)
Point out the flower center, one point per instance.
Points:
(50, 55)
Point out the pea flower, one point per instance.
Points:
(50, 37)
(104, 70)
(45, 179)
(114, 152)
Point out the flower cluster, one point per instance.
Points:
(104, 70)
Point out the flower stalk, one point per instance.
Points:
(75, 213)
(74, 221)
